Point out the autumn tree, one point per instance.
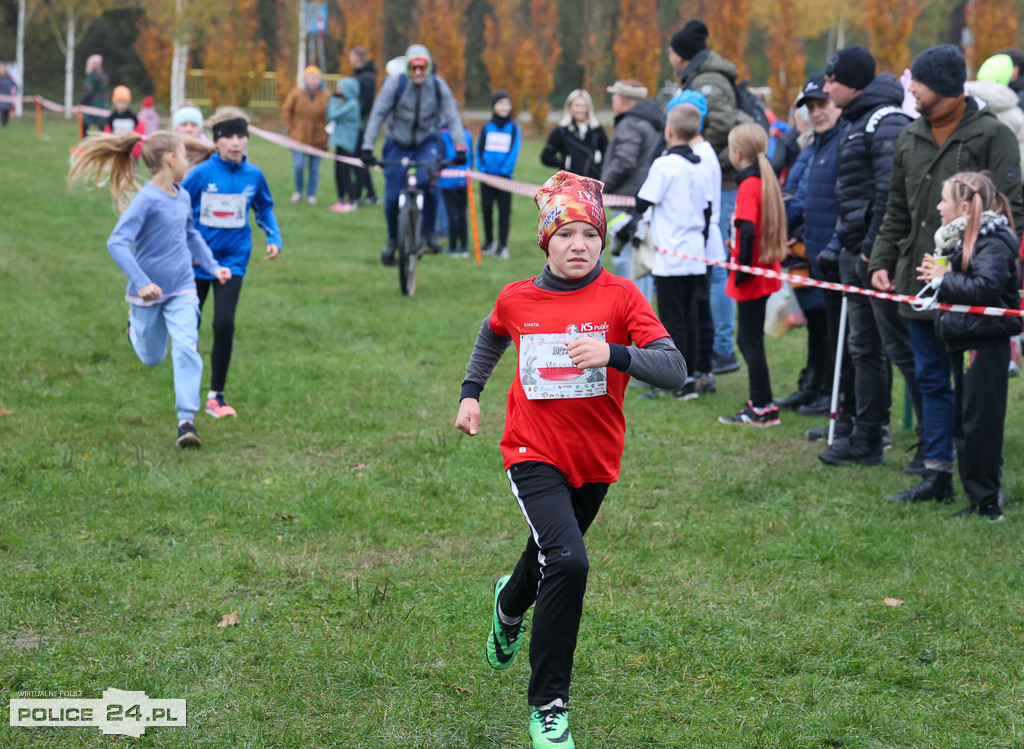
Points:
(546, 52)
(440, 30)
(155, 49)
(284, 61)
(638, 48)
(728, 23)
(890, 24)
(597, 28)
(993, 25)
(235, 60)
(183, 22)
(363, 23)
(69, 19)
(786, 56)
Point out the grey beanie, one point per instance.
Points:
(942, 69)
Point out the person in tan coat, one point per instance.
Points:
(304, 114)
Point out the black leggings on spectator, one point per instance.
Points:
(345, 178)
(455, 204)
(750, 336)
(225, 301)
(488, 197)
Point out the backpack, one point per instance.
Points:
(403, 81)
(747, 103)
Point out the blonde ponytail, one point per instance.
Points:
(107, 160)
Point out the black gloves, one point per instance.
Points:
(367, 157)
(460, 156)
(828, 264)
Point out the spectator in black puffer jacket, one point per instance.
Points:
(578, 144)
(872, 104)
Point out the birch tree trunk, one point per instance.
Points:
(20, 59)
(179, 57)
(70, 43)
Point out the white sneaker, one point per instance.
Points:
(296, 197)
(311, 200)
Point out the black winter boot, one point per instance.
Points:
(937, 485)
(806, 392)
(864, 448)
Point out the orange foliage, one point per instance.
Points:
(364, 22)
(439, 30)
(595, 54)
(235, 63)
(523, 53)
(284, 63)
(787, 58)
(155, 48)
(994, 26)
(728, 23)
(637, 47)
(890, 24)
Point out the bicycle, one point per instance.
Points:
(410, 216)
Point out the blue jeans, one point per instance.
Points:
(298, 167)
(723, 309)
(177, 319)
(934, 369)
(394, 181)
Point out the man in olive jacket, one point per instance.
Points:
(705, 71)
(952, 135)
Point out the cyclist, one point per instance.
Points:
(412, 104)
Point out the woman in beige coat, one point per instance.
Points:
(304, 114)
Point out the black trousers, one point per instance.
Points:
(819, 358)
(872, 373)
(750, 337)
(346, 178)
(551, 574)
(225, 302)
(488, 197)
(363, 179)
(4, 114)
(978, 419)
(679, 309)
(705, 326)
(455, 203)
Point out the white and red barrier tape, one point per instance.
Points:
(805, 281)
(616, 201)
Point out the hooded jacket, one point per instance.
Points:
(412, 113)
(978, 143)
(712, 75)
(991, 280)
(1003, 102)
(367, 77)
(343, 111)
(637, 141)
(305, 115)
(864, 162)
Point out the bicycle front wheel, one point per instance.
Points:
(408, 248)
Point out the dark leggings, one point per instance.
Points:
(345, 178)
(678, 307)
(4, 114)
(363, 180)
(552, 571)
(488, 197)
(750, 336)
(455, 204)
(225, 301)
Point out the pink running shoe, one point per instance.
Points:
(339, 207)
(218, 408)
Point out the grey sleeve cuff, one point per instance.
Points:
(659, 364)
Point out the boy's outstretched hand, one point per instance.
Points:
(589, 353)
(222, 274)
(468, 419)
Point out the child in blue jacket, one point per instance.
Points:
(500, 140)
(455, 192)
(343, 123)
(223, 190)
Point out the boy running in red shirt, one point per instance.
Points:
(573, 326)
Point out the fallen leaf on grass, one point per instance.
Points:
(360, 466)
(460, 690)
(5, 412)
(896, 602)
(229, 620)
(284, 517)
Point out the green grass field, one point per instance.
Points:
(736, 596)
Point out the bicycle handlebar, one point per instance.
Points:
(408, 163)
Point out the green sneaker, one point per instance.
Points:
(503, 641)
(549, 729)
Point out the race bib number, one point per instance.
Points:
(122, 125)
(547, 372)
(498, 142)
(222, 211)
